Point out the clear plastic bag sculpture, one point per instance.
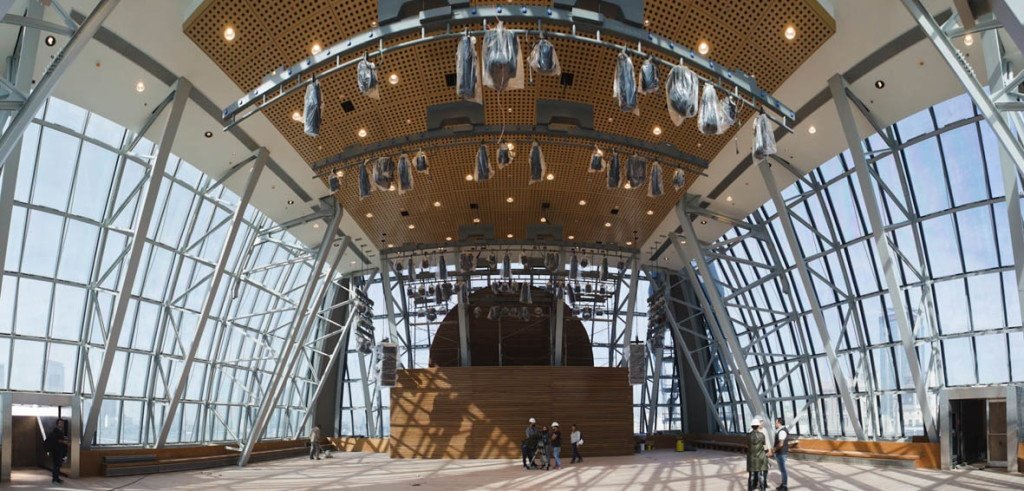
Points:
(366, 78)
(412, 269)
(494, 313)
(728, 110)
(624, 85)
(383, 173)
(482, 170)
(678, 179)
(764, 139)
(543, 58)
(603, 271)
(506, 267)
(467, 262)
(596, 160)
(311, 109)
(525, 297)
(504, 155)
(636, 171)
(467, 85)
(421, 162)
(614, 171)
(537, 166)
(503, 59)
(442, 268)
(681, 94)
(655, 188)
(364, 180)
(404, 174)
(551, 262)
(572, 296)
(574, 267)
(709, 115)
(649, 82)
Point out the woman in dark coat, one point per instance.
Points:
(757, 458)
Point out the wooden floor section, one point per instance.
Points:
(657, 470)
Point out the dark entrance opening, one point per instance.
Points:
(969, 435)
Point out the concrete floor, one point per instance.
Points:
(663, 469)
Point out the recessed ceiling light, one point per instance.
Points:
(469, 177)
(703, 48)
(316, 49)
(316, 225)
(449, 239)
(391, 187)
(340, 173)
(879, 84)
(682, 241)
(352, 262)
(291, 202)
(437, 204)
(361, 132)
(610, 119)
(140, 86)
(812, 130)
(551, 177)
(509, 199)
(373, 24)
(728, 198)
(369, 214)
(391, 245)
(607, 224)
(968, 40)
(629, 242)
(509, 236)
(703, 221)
(650, 212)
(297, 116)
(393, 78)
(647, 22)
(208, 134)
(790, 32)
(50, 40)
(511, 146)
(572, 237)
(656, 131)
(543, 220)
(229, 33)
(476, 220)
(583, 202)
(411, 226)
(627, 186)
(408, 121)
(510, 109)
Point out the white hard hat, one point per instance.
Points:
(554, 424)
(532, 420)
(756, 421)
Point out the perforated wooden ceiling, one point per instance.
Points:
(744, 34)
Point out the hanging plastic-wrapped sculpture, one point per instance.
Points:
(602, 274)
(551, 262)
(574, 267)
(636, 171)
(543, 58)
(624, 85)
(764, 139)
(412, 269)
(442, 268)
(678, 179)
(649, 82)
(728, 111)
(504, 155)
(614, 171)
(494, 313)
(502, 59)
(482, 171)
(525, 296)
(364, 180)
(404, 174)
(421, 162)
(467, 262)
(709, 115)
(655, 189)
(311, 109)
(681, 93)
(383, 173)
(466, 70)
(536, 163)
(572, 297)
(524, 260)
(506, 267)
(596, 160)
(366, 78)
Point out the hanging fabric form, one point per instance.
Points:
(614, 171)
(525, 296)
(537, 166)
(366, 78)
(574, 267)
(551, 262)
(624, 85)
(602, 274)
(764, 139)
(504, 155)
(524, 260)
(678, 179)
(383, 173)
(467, 262)
(572, 297)
(442, 268)
(466, 70)
(502, 59)
(412, 269)
(636, 171)
(364, 180)
(596, 160)
(506, 267)
(404, 174)
(543, 58)
(709, 115)
(482, 170)
(681, 93)
(728, 111)
(421, 162)
(649, 82)
(654, 188)
(311, 109)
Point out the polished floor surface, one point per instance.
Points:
(663, 469)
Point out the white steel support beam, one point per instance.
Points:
(182, 90)
(691, 253)
(838, 88)
(838, 373)
(389, 305)
(627, 330)
(49, 80)
(288, 351)
(212, 296)
(368, 398)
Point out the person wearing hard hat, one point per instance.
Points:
(757, 456)
(529, 445)
(556, 444)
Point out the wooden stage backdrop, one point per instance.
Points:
(483, 412)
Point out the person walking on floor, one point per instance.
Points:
(529, 446)
(56, 444)
(544, 448)
(314, 443)
(757, 457)
(781, 449)
(556, 444)
(576, 439)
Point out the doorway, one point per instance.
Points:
(979, 432)
(26, 420)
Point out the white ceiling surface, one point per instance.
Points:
(914, 79)
(103, 81)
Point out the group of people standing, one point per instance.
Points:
(759, 451)
(547, 445)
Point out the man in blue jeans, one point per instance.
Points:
(781, 449)
(556, 443)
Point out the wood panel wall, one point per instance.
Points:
(92, 460)
(927, 453)
(483, 412)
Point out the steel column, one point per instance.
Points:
(389, 306)
(559, 331)
(464, 354)
(182, 90)
(838, 88)
(211, 297)
(627, 330)
(838, 374)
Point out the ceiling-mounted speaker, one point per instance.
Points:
(543, 232)
(476, 232)
(637, 363)
(564, 115)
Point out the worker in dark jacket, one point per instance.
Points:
(757, 457)
(529, 445)
(56, 445)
